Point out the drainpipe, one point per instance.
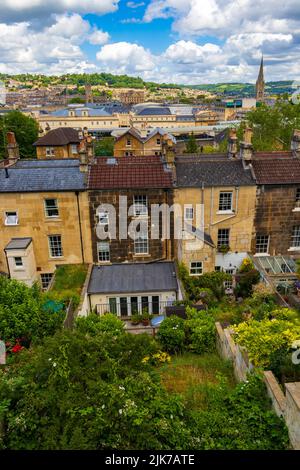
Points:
(80, 229)
(8, 269)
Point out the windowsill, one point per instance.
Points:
(142, 255)
(294, 248)
(229, 212)
(54, 219)
(100, 263)
(20, 269)
(56, 257)
(296, 209)
(261, 254)
(141, 216)
(200, 274)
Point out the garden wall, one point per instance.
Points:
(285, 405)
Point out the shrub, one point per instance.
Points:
(200, 331)
(94, 324)
(171, 334)
(22, 312)
(264, 338)
(245, 282)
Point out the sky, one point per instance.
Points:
(173, 41)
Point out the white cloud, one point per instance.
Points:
(98, 37)
(125, 57)
(135, 4)
(15, 9)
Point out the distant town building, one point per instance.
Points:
(131, 96)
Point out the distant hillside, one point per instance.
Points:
(124, 81)
(245, 89)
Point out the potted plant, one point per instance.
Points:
(135, 319)
(146, 318)
(223, 249)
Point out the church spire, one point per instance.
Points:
(260, 83)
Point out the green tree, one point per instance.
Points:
(192, 146)
(104, 147)
(26, 130)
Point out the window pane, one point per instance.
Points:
(262, 243)
(145, 303)
(55, 246)
(134, 305)
(123, 306)
(46, 279)
(113, 305)
(141, 246)
(103, 249)
(155, 304)
(223, 237)
(225, 201)
(11, 218)
(189, 213)
(196, 267)
(296, 236)
(51, 207)
(18, 261)
(140, 205)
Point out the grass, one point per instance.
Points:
(68, 283)
(194, 376)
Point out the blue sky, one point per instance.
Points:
(179, 41)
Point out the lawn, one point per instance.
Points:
(194, 376)
(68, 282)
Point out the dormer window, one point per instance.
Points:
(11, 218)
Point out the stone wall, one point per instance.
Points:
(285, 405)
(123, 250)
(276, 214)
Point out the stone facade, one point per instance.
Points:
(33, 222)
(128, 144)
(239, 222)
(277, 212)
(57, 152)
(123, 250)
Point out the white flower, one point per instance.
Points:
(54, 364)
(50, 359)
(120, 412)
(121, 388)
(103, 406)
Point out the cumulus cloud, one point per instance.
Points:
(98, 37)
(49, 50)
(125, 57)
(18, 9)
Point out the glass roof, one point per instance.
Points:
(275, 265)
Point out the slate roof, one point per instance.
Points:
(277, 170)
(157, 130)
(40, 176)
(18, 244)
(154, 111)
(212, 171)
(60, 136)
(129, 172)
(133, 277)
(92, 112)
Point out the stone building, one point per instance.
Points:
(44, 218)
(277, 217)
(223, 188)
(135, 143)
(143, 184)
(59, 143)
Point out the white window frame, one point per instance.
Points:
(224, 207)
(106, 253)
(18, 266)
(45, 285)
(103, 217)
(54, 207)
(140, 205)
(15, 220)
(128, 142)
(139, 243)
(50, 152)
(295, 238)
(194, 269)
(188, 213)
(227, 241)
(74, 149)
(263, 252)
(55, 243)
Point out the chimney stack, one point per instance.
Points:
(246, 147)
(83, 155)
(232, 144)
(12, 147)
(295, 144)
(168, 152)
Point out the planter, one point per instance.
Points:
(145, 322)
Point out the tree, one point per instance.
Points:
(26, 130)
(192, 146)
(104, 147)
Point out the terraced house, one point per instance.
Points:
(44, 218)
(223, 187)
